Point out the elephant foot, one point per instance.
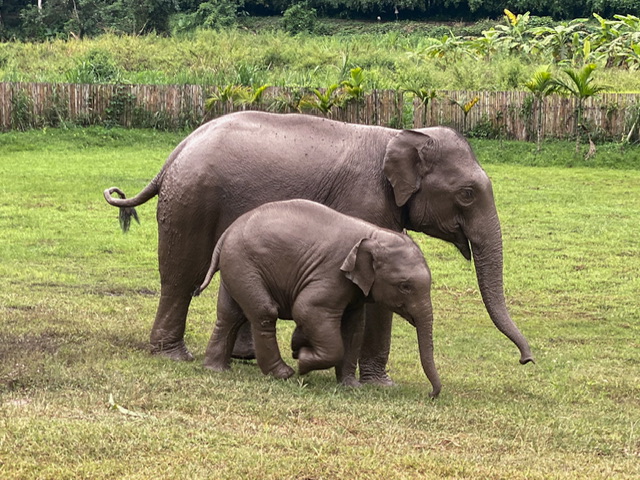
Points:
(298, 342)
(216, 367)
(283, 371)
(174, 351)
(351, 382)
(379, 380)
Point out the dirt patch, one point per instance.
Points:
(12, 346)
(22, 354)
(114, 292)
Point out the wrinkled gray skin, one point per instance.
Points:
(302, 261)
(426, 180)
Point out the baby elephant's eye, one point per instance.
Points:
(405, 287)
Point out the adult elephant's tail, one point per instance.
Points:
(126, 205)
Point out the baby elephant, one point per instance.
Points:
(303, 261)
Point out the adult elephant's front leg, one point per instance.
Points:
(376, 344)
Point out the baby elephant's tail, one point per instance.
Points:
(213, 267)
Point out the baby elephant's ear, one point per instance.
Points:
(358, 266)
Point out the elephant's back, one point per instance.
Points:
(303, 224)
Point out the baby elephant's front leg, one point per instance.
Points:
(323, 333)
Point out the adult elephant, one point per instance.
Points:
(426, 180)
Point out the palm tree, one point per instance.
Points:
(580, 84)
(541, 85)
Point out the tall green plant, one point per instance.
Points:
(238, 95)
(323, 101)
(425, 95)
(541, 85)
(354, 86)
(514, 36)
(580, 85)
(466, 106)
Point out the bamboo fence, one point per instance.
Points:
(514, 114)
(511, 114)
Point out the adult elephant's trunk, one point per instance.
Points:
(424, 327)
(487, 257)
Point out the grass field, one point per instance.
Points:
(80, 396)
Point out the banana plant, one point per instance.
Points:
(445, 46)
(486, 45)
(608, 31)
(466, 106)
(559, 40)
(513, 36)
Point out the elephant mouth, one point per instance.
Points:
(462, 244)
(457, 237)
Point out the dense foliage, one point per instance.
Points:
(504, 55)
(26, 19)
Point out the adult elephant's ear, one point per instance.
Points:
(408, 159)
(358, 266)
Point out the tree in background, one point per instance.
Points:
(82, 18)
(541, 85)
(581, 85)
(299, 18)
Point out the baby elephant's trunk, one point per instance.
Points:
(424, 327)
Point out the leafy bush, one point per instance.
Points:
(97, 66)
(299, 18)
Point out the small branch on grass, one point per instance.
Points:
(114, 406)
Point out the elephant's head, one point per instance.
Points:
(445, 193)
(390, 269)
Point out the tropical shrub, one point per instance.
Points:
(299, 18)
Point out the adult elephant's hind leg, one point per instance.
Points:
(167, 334)
(185, 244)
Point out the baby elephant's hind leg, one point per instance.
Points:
(263, 327)
(230, 319)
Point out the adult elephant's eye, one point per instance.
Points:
(466, 196)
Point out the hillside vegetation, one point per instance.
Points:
(401, 54)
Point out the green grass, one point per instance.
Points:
(77, 299)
